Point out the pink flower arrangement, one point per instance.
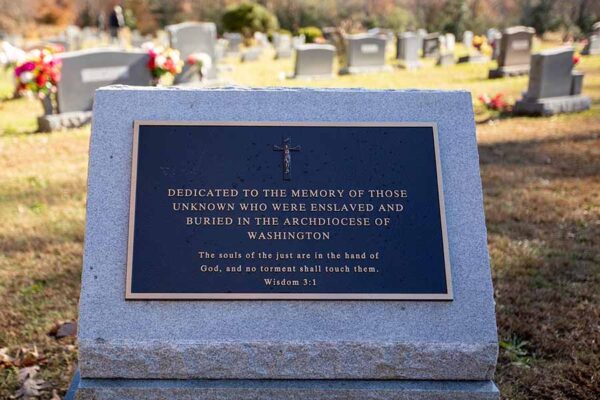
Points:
(39, 73)
(164, 61)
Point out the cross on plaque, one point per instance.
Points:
(286, 149)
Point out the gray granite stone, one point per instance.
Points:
(514, 53)
(364, 53)
(405, 340)
(57, 122)
(194, 37)
(121, 389)
(552, 105)
(314, 61)
(85, 71)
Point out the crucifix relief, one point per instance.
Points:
(286, 148)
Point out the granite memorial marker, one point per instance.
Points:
(408, 50)
(431, 45)
(283, 45)
(85, 71)
(314, 61)
(515, 52)
(194, 37)
(318, 248)
(554, 87)
(364, 53)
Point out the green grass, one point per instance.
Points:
(541, 179)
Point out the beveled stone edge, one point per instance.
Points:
(105, 389)
(130, 359)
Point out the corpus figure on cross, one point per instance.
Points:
(286, 148)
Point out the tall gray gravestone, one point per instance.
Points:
(321, 244)
(467, 39)
(364, 53)
(283, 45)
(515, 52)
(554, 87)
(194, 37)
(83, 72)
(408, 50)
(421, 33)
(314, 61)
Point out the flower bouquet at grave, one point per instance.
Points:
(482, 46)
(163, 62)
(201, 62)
(492, 108)
(38, 74)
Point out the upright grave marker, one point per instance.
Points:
(431, 45)
(364, 53)
(314, 61)
(85, 71)
(190, 38)
(365, 223)
(408, 50)
(554, 87)
(515, 52)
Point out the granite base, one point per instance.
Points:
(445, 59)
(365, 70)
(502, 72)
(473, 59)
(57, 122)
(140, 389)
(552, 105)
(410, 65)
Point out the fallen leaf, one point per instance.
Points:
(6, 361)
(55, 395)
(30, 386)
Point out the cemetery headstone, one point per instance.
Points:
(493, 37)
(364, 53)
(473, 54)
(314, 61)
(431, 45)
(251, 54)
(234, 41)
(553, 85)
(467, 39)
(261, 39)
(450, 42)
(421, 33)
(371, 238)
(194, 37)
(85, 71)
(283, 45)
(408, 50)
(446, 54)
(592, 46)
(515, 52)
(298, 40)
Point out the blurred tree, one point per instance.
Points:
(541, 15)
(55, 12)
(139, 15)
(454, 17)
(248, 18)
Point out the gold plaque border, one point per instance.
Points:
(285, 296)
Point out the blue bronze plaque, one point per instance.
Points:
(281, 210)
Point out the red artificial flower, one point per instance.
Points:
(576, 59)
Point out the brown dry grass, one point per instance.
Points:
(541, 182)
